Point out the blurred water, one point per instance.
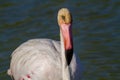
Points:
(96, 30)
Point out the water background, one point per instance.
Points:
(96, 30)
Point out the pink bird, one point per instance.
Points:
(46, 59)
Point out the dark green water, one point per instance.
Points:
(96, 30)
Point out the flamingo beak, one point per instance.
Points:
(67, 36)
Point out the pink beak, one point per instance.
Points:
(67, 36)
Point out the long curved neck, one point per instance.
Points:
(65, 67)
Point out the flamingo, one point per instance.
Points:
(46, 59)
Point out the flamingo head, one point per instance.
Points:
(65, 24)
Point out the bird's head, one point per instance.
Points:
(65, 24)
(64, 16)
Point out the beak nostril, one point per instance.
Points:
(63, 17)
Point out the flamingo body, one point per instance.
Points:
(35, 60)
(46, 59)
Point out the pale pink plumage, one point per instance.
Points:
(41, 59)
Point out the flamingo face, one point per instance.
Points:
(65, 24)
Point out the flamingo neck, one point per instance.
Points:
(66, 50)
(65, 67)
